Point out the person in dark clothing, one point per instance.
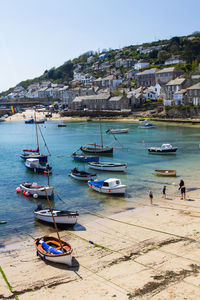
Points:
(182, 188)
(151, 197)
(164, 192)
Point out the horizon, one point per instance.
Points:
(33, 42)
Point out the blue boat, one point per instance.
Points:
(83, 158)
(29, 121)
(29, 153)
(34, 165)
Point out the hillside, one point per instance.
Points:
(187, 48)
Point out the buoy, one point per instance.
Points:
(24, 192)
(181, 131)
(27, 194)
(18, 190)
(143, 142)
(45, 172)
(91, 242)
(35, 196)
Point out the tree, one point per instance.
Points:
(162, 56)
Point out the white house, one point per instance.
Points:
(179, 97)
(173, 60)
(141, 65)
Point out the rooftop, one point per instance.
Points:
(176, 81)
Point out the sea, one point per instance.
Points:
(130, 148)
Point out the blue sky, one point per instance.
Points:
(39, 34)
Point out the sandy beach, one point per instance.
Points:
(151, 252)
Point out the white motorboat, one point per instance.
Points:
(54, 250)
(64, 217)
(82, 175)
(34, 165)
(164, 149)
(108, 186)
(118, 131)
(34, 189)
(112, 167)
(2, 119)
(146, 124)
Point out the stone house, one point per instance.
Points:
(92, 102)
(165, 75)
(108, 81)
(118, 103)
(146, 78)
(174, 86)
(193, 94)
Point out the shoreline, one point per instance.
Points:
(56, 117)
(138, 249)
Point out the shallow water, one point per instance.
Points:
(15, 136)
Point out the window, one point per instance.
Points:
(105, 184)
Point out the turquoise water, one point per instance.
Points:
(15, 136)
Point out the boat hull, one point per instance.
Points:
(117, 131)
(112, 191)
(83, 158)
(41, 157)
(160, 151)
(109, 168)
(41, 191)
(65, 219)
(65, 258)
(167, 173)
(99, 151)
(83, 178)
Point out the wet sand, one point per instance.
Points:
(152, 252)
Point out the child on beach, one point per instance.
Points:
(182, 188)
(151, 197)
(164, 192)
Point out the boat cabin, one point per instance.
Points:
(111, 182)
(33, 163)
(166, 146)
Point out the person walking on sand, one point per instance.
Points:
(182, 188)
(151, 197)
(164, 192)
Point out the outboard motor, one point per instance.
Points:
(39, 207)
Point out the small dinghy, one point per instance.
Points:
(34, 165)
(164, 149)
(112, 167)
(84, 158)
(62, 125)
(34, 189)
(117, 131)
(64, 217)
(54, 250)
(82, 175)
(108, 186)
(165, 173)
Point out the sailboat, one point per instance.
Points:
(35, 154)
(54, 249)
(97, 149)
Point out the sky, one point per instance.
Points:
(37, 35)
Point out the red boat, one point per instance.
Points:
(62, 125)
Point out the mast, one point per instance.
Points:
(53, 219)
(101, 132)
(36, 133)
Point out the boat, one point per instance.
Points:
(112, 167)
(82, 175)
(84, 158)
(32, 121)
(97, 149)
(2, 119)
(164, 149)
(34, 189)
(165, 173)
(108, 186)
(30, 153)
(146, 124)
(51, 249)
(62, 125)
(29, 121)
(63, 217)
(117, 131)
(34, 165)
